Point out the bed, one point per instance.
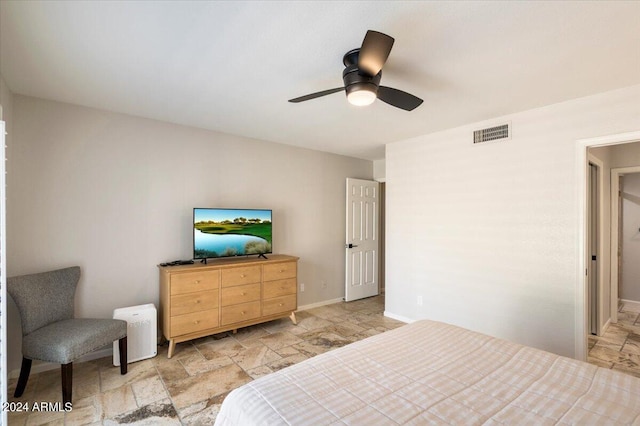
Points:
(433, 373)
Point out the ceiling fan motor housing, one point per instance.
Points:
(355, 80)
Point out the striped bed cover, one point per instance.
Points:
(433, 373)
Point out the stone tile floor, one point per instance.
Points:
(619, 347)
(189, 388)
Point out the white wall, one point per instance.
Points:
(114, 194)
(630, 288)
(488, 234)
(379, 170)
(625, 155)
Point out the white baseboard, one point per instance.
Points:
(630, 305)
(398, 317)
(318, 304)
(39, 366)
(606, 326)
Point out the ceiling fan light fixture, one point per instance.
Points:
(362, 97)
(361, 94)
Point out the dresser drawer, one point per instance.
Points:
(278, 271)
(193, 302)
(239, 313)
(240, 275)
(240, 294)
(193, 322)
(189, 282)
(279, 305)
(279, 288)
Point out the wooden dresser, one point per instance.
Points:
(226, 294)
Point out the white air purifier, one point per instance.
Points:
(142, 332)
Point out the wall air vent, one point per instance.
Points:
(492, 134)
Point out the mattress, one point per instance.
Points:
(433, 373)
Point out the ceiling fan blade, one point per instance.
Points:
(398, 98)
(374, 52)
(316, 95)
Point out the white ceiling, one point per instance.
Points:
(232, 66)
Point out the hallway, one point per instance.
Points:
(619, 348)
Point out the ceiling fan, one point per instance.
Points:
(363, 73)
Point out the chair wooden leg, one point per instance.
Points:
(67, 381)
(25, 369)
(122, 346)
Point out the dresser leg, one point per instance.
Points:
(293, 318)
(235, 331)
(172, 348)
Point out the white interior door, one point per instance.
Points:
(3, 279)
(362, 239)
(592, 236)
(619, 249)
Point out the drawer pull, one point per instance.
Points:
(196, 322)
(281, 304)
(197, 281)
(198, 301)
(281, 270)
(243, 294)
(243, 312)
(242, 275)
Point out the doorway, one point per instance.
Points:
(625, 236)
(362, 243)
(582, 317)
(593, 241)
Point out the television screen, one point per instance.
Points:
(230, 232)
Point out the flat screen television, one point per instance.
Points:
(231, 232)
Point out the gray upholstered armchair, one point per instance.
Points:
(49, 331)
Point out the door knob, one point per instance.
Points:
(350, 245)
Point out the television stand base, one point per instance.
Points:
(203, 260)
(262, 255)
